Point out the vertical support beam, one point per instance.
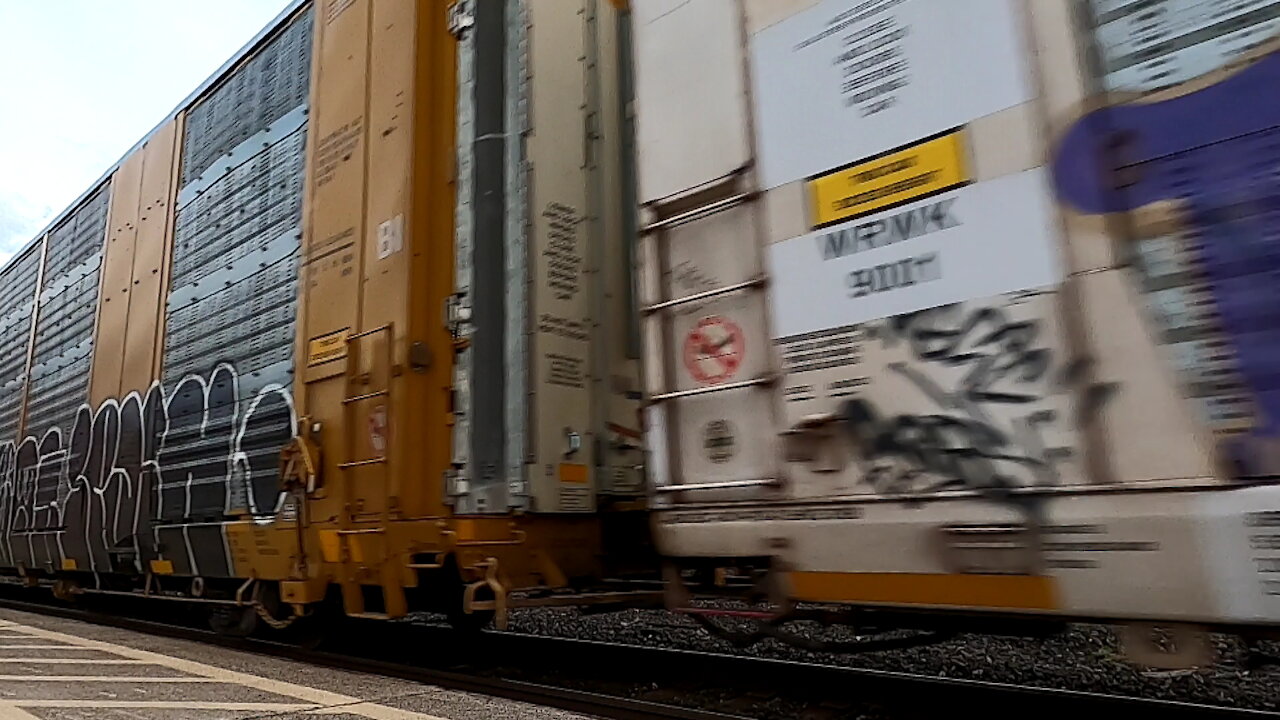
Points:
(152, 255)
(489, 251)
(115, 283)
(600, 352)
(627, 172)
(434, 189)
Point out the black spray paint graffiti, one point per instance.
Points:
(988, 430)
(151, 475)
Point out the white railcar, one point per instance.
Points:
(966, 307)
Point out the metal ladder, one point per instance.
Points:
(396, 605)
(723, 194)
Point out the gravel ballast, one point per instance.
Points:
(1084, 657)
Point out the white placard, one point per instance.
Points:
(849, 79)
(978, 241)
(390, 237)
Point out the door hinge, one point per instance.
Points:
(457, 315)
(456, 483)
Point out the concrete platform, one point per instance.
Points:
(55, 669)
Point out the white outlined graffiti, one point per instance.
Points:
(133, 477)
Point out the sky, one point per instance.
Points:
(81, 81)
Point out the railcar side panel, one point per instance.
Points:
(228, 362)
(156, 407)
(1020, 308)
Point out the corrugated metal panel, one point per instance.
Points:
(17, 294)
(233, 291)
(64, 329)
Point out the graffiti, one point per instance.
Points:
(989, 388)
(1221, 171)
(135, 479)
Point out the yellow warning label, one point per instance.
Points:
(573, 473)
(327, 348)
(927, 167)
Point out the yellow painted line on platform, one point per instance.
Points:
(318, 701)
(167, 705)
(41, 647)
(75, 661)
(105, 678)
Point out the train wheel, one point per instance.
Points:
(233, 621)
(282, 622)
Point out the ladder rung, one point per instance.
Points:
(373, 331)
(699, 212)
(358, 463)
(763, 380)
(704, 295)
(366, 396)
(761, 482)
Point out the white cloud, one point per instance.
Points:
(81, 81)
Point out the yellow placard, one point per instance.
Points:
(327, 348)
(573, 473)
(924, 168)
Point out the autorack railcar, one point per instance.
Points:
(350, 324)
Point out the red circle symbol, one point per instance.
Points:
(713, 350)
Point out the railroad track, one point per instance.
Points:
(614, 674)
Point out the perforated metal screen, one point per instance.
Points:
(17, 294)
(228, 356)
(68, 306)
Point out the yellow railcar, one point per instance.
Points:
(352, 322)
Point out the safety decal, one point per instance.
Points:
(713, 350)
(719, 439)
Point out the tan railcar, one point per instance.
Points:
(351, 322)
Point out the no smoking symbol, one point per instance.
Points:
(713, 350)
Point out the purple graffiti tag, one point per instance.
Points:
(1216, 152)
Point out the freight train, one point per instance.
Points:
(891, 313)
(348, 327)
